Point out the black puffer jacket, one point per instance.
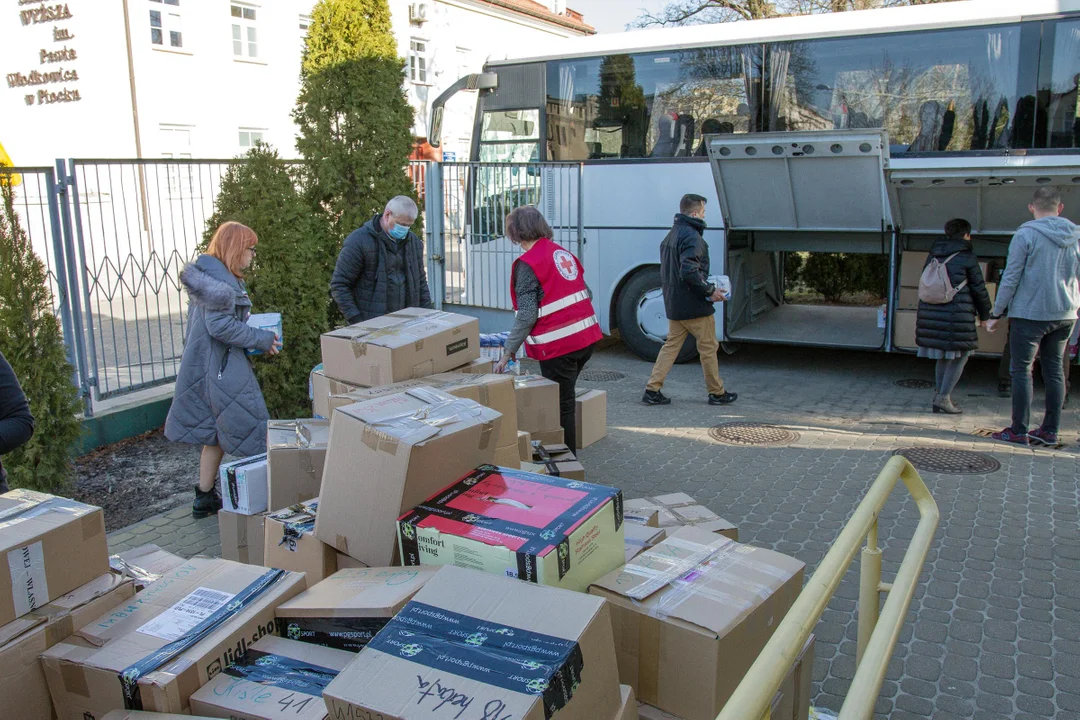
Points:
(684, 270)
(952, 326)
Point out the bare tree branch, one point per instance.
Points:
(694, 12)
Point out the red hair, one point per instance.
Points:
(229, 243)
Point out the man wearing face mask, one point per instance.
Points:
(688, 301)
(380, 268)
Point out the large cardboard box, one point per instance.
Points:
(290, 543)
(154, 651)
(244, 489)
(295, 453)
(691, 616)
(50, 545)
(410, 343)
(548, 437)
(556, 460)
(345, 610)
(241, 537)
(590, 408)
(389, 454)
(143, 715)
(501, 648)
(537, 405)
(479, 366)
(912, 263)
(524, 444)
(274, 680)
(908, 299)
(322, 388)
(539, 528)
(639, 538)
(144, 564)
(23, 687)
(677, 510)
(994, 342)
(904, 329)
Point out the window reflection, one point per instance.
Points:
(1059, 84)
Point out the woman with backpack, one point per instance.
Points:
(952, 303)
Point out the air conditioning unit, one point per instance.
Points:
(418, 13)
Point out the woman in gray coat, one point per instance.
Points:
(218, 403)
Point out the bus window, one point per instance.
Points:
(510, 136)
(932, 91)
(1058, 84)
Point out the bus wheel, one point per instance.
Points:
(642, 321)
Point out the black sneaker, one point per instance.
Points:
(726, 399)
(205, 504)
(655, 397)
(1005, 389)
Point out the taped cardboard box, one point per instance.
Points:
(590, 408)
(548, 437)
(144, 564)
(345, 610)
(241, 537)
(524, 444)
(23, 687)
(344, 562)
(49, 546)
(410, 343)
(275, 679)
(290, 543)
(479, 366)
(555, 460)
(389, 454)
(538, 528)
(507, 457)
(322, 387)
(154, 651)
(295, 454)
(692, 614)
(244, 489)
(639, 538)
(677, 510)
(537, 404)
(501, 648)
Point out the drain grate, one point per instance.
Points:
(949, 462)
(747, 433)
(916, 384)
(601, 375)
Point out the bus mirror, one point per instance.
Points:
(487, 81)
(435, 127)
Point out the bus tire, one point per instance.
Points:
(641, 292)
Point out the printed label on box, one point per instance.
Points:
(457, 346)
(29, 590)
(178, 620)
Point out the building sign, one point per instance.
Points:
(51, 79)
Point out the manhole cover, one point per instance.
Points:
(916, 384)
(601, 375)
(949, 462)
(744, 433)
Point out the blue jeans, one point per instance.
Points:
(1047, 338)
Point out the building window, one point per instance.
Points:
(249, 136)
(175, 143)
(305, 25)
(244, 33)
(165, 26)
(418, 61)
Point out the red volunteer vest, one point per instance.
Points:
(567, 321)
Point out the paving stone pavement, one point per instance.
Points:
(994, 629)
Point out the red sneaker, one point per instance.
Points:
(1009, 436)
(1043, 437)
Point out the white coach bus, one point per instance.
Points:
(857, 133)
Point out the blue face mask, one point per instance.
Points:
(398, 232)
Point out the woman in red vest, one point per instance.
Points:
(555, 318)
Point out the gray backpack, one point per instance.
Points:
(935, 287)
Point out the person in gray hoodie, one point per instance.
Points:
(1039, 290)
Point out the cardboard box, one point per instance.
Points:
(479, 366)
(507, 457)
(22, 679)
(537, 404)
(994, 342)
(117, 660)
(290, 543)
(691, 616)
(345, 610)
(639, 538)
(50, 546)
(543, 529)
(143, 715)
(524, 443)
(908, 299)
(642, 512)
(556, 460)
(904, 329)
(628, 708)
(548, 437)
(275, 679)
(295, 453)
(410, 343)
(322, 388)
(244, 489)
(389, 454)
(677, 510)
(912, 263)
(144, 564)
(241, 537)
(648, 712)
(590, 408)
(344, 562)
(804, 676)
(506, 649)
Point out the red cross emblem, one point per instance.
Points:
(565, 264)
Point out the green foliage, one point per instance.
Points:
(834, 275)
(290, 275)
(33, 343)
(343, 30)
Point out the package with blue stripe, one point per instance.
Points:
(265, 321)
(473, 646)
(245, 489)
(274, 679)
(155, 650)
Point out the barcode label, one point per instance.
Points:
(178, 620)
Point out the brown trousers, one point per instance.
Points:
(704, 331)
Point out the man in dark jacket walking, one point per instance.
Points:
(16, 422)
(380, 268)
(688, 301)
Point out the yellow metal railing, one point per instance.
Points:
(878, 632)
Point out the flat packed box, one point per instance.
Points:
(290, 543)
(691, 615)
(479, 366)
(639, 538)
(555, 460)
(680, 510)
(295, 453)
(345, 610)
(389, 454)
(490, 646)
(909, 299)
(275, 679)
(410, 343)
(912, 263)
(52, 545)
(537, 404)
(590, 408)
(23, 687)
(994, 342)
(144, 564)
(243, 485)
(322, 388)
(904, 329)
(538, 528)
(241, 537)
(154, 651)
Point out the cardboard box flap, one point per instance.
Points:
(418, 425)
(300, 434)
(524, 381)
(396, 329)
(21, 626)
(358, 592)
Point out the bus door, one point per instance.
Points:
(808, 236)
